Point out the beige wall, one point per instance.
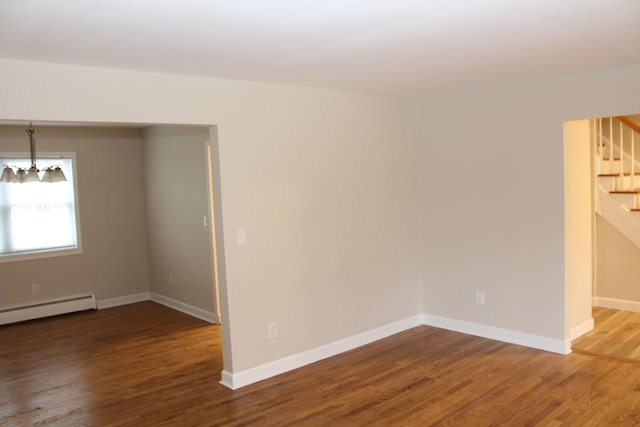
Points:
(493, 196)
(324, 183)
(176, 200)
(114, 258)
(497, 222)
(618, 269)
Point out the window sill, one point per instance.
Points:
(40, 254)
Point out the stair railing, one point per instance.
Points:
(615, 154)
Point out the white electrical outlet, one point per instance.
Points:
(479, 297)
(35, 289)
(241, 236)
(170, 278)
(272, 330)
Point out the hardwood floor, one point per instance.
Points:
(616, 334)
(146, 365)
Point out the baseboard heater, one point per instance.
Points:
(47, 308)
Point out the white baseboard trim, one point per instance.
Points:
(199, 313)
(617, 304)
(227, 379)
(127, 299)
(582, 329)
(514, 337)
(268, 370)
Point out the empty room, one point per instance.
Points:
(342, 213)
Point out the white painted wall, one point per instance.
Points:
(324, 182)
(496, 222)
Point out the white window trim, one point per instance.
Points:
(55, 252)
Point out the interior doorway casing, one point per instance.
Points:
(579, 223)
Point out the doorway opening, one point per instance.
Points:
(601, 256)
(126, 176)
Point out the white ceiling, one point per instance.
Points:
(400, 47)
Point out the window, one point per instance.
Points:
(38, 219)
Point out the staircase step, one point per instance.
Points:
(613, 166)
(613, 182)
(623, 198)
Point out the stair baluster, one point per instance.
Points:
(611, 145)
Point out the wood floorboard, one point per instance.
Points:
(146, 365)
(616, 334)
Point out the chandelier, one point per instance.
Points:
(20, 175)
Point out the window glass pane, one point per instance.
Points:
(38, 215)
